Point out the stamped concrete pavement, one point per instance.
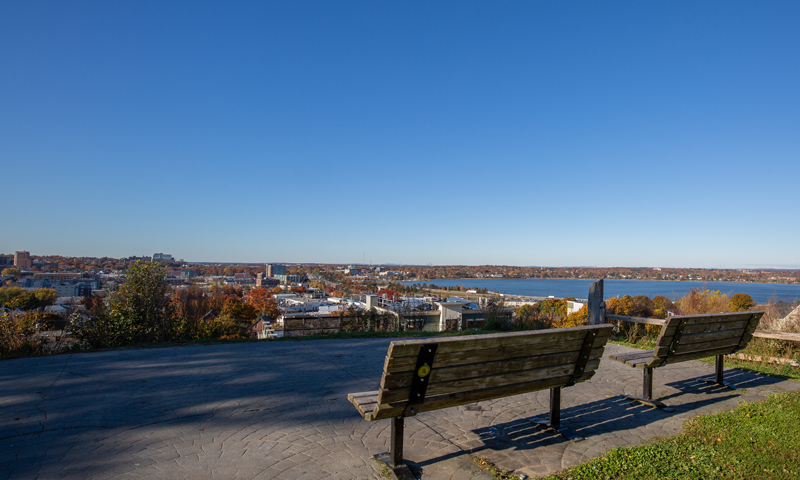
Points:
(279, 410)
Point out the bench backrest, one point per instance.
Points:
(429, 374)
(689, 337)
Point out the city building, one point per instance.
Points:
(22, 260)
(163, 257)
(287, 279)
(60, 276)
(137, 259)
(275, 270)
(184, 273)
(64, 288)
(435, 315)
(574, 306)
(263, 281)
(6, 260)
(262, 328)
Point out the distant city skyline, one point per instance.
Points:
(271, 262)
(530, 133)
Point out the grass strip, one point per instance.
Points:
(756, 440)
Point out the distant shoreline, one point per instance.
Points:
(595, 279)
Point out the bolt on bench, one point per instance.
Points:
(689, 337)
(436, 373)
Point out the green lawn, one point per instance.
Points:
(757, 440)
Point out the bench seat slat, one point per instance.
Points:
(480, 369)
(407, 364)
(631, 355)
(365, 402)
(634, 359)
(639, 362)
(399, 396)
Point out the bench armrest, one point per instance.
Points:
(647, 321)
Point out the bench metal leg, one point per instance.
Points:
(554, 421)
(647, 392)
(719, 374)
(394, 459)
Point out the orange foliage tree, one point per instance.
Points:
(262, 301)
(576, 319)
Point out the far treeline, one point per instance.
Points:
(427, 273)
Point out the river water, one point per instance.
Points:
(579, 288)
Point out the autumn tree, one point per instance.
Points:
(552, 309)
(23, 301)
(190, 303)
(576, 319)
(263, 301)
(390, 294)
(235, 308)
(45, 297)
(189, 306)
(661, 306)
(10, 271)
(258, 298)
(9, 293)
(741, 302)
(704, 301)
(497, 316)
(140, 310)
(638, 306)
(528, 318)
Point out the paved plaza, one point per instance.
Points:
(279, 410)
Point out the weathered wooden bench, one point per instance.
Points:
(689, 337)
(435, 373)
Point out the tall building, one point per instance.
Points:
(275, 270)
(22, 260)
(163, 257)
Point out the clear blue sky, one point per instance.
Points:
(523, 133)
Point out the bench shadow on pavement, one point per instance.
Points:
(738, 378)
(617, 413)
(602, 416)
(594, 418)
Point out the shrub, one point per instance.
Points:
(703, 301)
(17, 337)
(741, 302)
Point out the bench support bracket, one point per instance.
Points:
(647, 392)
(394, 459)
(554, 421)
(719, 374)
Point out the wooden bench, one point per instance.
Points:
(435, 373)
(689, 337)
